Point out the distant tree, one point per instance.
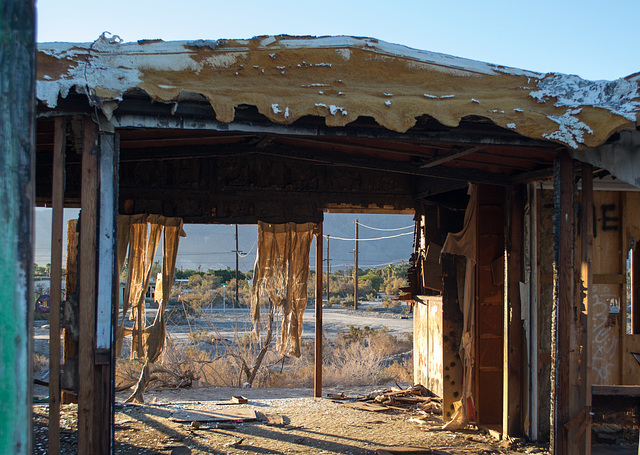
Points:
(393, 285)
(374, 279)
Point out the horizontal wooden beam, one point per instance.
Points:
(445, 158)
(618, 390)
(134, 120)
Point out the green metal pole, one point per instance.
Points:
(17, 139)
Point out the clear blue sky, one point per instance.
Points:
(594, 39)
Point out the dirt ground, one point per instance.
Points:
(290, 421)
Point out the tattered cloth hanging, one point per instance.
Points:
(464, 243)
(282, 270)
(141, 234)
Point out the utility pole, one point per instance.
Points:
(355, 272)
(328, 276)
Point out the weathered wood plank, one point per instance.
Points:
(564, 298)
(619, 390)
(106, 239)
(317, 382)
(17, 183)
(56, 284)
(87, 434)
(513, 325)
(69, 340)
(585, 306)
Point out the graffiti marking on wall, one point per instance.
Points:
(609, 223)
(605, 337)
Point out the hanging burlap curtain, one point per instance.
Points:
(140, 235)
(282, 270)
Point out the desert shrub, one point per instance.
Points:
(390, 303)
(347, 303)
(398, 371)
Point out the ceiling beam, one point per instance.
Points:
(261, 125)
(444, 158)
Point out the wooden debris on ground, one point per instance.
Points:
(202, 415)
(236, 399)
(402, 451)
(416, 398)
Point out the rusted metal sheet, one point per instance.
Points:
(339, 79)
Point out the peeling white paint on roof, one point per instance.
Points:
(571, 130)
(579, 113)
(333, 109)
(435, 97)
(620, 97)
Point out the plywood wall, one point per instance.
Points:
(427, 343)
(607, 290)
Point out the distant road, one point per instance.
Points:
(236, 322)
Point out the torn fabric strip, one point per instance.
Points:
(282, 271)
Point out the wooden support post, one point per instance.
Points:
(56, 283)
(107, 306)
(564, 303)
(513, 327)
(355, 272)
(69, 340)
(328, 272)
(17, 183)
(585, 312)
(317, 383)
(87, 422)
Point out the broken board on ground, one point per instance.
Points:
(367, 406)
(236, 399)
(206, 415)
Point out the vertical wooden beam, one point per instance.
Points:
(328, 273)
(57, 192)
(17, 183)
(107, 303)
(635, 289)
(355, 271)
(533, 312)
(585, 307)
(564, 303)
(69, 342)
(87, 438)
(317, 382)
(513, 327)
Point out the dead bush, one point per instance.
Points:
(389, 303)
(40, 363)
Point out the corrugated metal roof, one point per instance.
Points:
(340, 79)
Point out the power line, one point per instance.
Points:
(377, 238)
(383, 229)
(249, 252)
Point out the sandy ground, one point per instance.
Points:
(290, 421)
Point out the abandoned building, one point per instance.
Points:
(524, 188)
